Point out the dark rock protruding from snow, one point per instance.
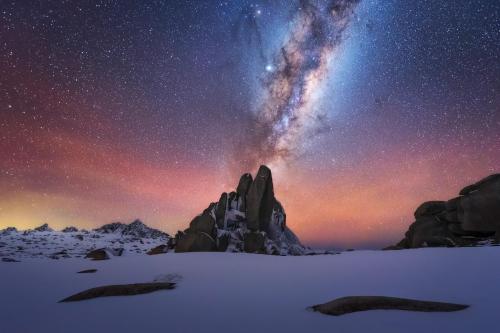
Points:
(99, 254)
(160, 249)
(203, 223)
(472, 218)
(44, 228)
(350, 304)
(8, 231)
(196, 242)
(249, 219)
(70, 229)
(119, 290)
(254, 242)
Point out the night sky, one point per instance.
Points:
(115, 110)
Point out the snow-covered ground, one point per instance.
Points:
(225, 292)
(133, 238)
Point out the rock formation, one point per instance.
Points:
(160, 249)
(44, 228)
(8, 231)
(119, 290)
(99, 254)
(350, 304)
(250, 220)
(70, 229)
(472, 218)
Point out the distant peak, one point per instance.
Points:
(137, 228)
(137, 222)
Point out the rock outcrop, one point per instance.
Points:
(160, 249)
(8, 231)
(472, 218)
(44, 228)
(99, 254)
(119, 290)
(249, 220)
(350, 304)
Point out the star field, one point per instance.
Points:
(115, 110)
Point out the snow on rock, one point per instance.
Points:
(249, 220)
(116, 239)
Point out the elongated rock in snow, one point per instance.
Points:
(344, 305)
(119, 290)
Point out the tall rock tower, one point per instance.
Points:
(250, 220)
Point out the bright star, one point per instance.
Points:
(269, 68)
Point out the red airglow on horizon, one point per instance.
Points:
(71, 181)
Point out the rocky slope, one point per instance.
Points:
(472, 218)
(114, 239)
(249, 219)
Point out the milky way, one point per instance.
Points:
(117, 110)
(288, 113)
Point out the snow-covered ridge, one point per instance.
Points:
(135, 229)
(44, 242)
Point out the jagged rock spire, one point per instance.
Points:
(249, 219)
(260, 200)
(242, 190)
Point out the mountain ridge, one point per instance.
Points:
(116, 238)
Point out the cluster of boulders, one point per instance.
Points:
(249, 219)
(472, 218)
